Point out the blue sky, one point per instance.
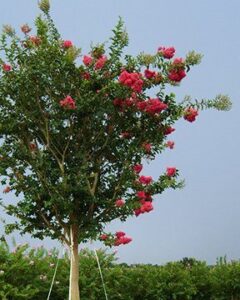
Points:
(202, 220)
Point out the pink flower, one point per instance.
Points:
(190, 114)
(137, 86)
(35, 40)
(126, 240)
(87, 60)
(176, 75)
(118, 102)
(125, 135)
(155, 106)
(145, 179)
(67, 44)
(132, 80)
(104, 237)
(123, 240)
(147, 147)
(129, 102)
(117, 242)
(169, 130)
(25, 28)
(171, 171)
(178, 62)
(86, 76)
(6, 67)
(119, 202)
(147, 207)
(149, 74)
(137, 168)
(32, 146)
(68, 102)
(120, 234)
(167, 52)
(123, 77)
(170, 144)
(100, 62)
(137, 212)
(141, 105)
(7, 190)
(177, 72)
(141, 195)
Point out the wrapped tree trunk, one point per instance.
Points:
(74, 266)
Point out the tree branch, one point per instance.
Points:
(50, 226)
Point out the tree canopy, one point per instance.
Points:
(74, 132)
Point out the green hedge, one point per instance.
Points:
(27, 273)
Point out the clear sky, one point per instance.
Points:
(202, 220)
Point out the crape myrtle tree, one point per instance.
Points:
(74, 133)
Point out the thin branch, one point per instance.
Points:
(47, 137)
(50, 226)
(64, 225)
(125, 166)
(68, 141)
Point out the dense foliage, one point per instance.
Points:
(27, 273)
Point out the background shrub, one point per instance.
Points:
(27, 273)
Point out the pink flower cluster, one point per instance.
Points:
(147, 147)
(125, 135)
(32, 146)
(68, 103)
(170, 144)
(87, 60)
(104, 237)
(177, 72)
(150, 74)
(167, 52)
(169, 130)
(190, 114)
(25, 28)
(6, 67)
(132, 80)
(7, 189)
(171, 171)
(142, 195)
(146, 207)
(137, 168)
(176, 75)
(67, 44)
(124, 103)
(99, 64)
(146, 180)
(86, 76)
(35, 40)
(119, 202)
(145, 200)
(152, 106)
(121, 239)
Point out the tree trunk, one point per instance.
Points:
(74, 268)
